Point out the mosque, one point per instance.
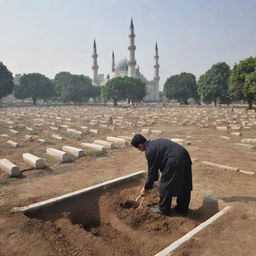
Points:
(128, 68)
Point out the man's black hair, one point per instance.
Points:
(138, 139)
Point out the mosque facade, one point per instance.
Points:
(127, 67)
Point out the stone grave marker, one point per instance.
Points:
(9, 167)
(74, 151)
(34, 161)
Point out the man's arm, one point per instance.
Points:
(153, 174)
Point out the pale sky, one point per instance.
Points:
(49, 36)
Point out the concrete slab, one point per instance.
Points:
(104, 143)
(58, 154)
(9, 167)
(117, 141)
(93, 146)
(34, 161)
(78, 152)
(220, 166)
(104, 185)
(169, 250)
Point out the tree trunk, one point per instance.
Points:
(215, 102)
(34, 100)
(115, 103)
(129, 100)
(249, 99)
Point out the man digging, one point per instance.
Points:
(174, 163)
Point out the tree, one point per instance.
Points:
(20, 92)
(74, 88)
(94, 92)
(181, 87)
(115, 90)
(34, 85)
(241, 82)
(6, 81)
(136, 89)
(213, 84)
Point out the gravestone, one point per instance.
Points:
(9, 167)
(34, 161)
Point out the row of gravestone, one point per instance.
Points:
(196, 114)
(63, 155)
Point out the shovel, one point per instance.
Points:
(141, 201)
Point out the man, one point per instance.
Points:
(174, 163)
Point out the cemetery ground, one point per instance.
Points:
(224, 136)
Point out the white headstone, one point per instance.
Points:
(104, 143)
(13, 143)
(117, 141)
(93, 146)
(36, 162)
(57, 137)
(73, 151)
(10, 168)
(58, 154)
(247, 140)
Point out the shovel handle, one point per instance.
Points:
(138, 198)
(141, 202)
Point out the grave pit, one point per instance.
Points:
(103, 220)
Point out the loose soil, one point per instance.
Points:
(135, 231)
(112, 225)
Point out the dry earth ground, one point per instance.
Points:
(233, 234)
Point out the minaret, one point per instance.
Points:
(113, 61)
(156, 77)
(131, 48)
(95, 66)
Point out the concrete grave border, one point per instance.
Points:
(169, 250)
(165, 252)
(57, 199)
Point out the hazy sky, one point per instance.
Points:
(49, 36)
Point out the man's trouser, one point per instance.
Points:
(182, 203)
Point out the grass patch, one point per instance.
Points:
(96, 153)
(50, 160)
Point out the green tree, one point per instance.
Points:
(213, 84)
(181, 87)
(94, 92)
(241, 82)
(115, 90)
(161, 95)
(20, 92)
(36, 86)
(74, 88)
(136, 89)
(6, 81)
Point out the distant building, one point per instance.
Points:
(128, 68)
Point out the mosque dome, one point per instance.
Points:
(122, 65)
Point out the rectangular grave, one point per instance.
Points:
(106, 221)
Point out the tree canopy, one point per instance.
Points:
(6, 81)
(74, 88)
(136, 89)
(181, 87)
(242, 81)
(34, 85)
(114, 90)
(122, 88)
(213, 84)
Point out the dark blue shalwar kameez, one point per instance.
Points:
(174, 163)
